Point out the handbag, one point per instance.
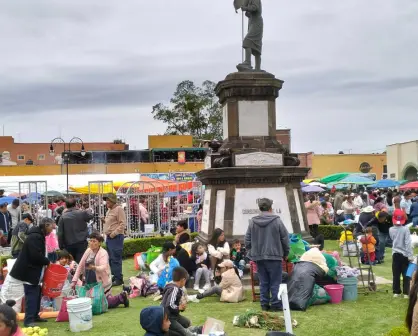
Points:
(97, 295)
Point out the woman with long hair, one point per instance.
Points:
(218, 248)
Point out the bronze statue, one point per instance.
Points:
(253, 41)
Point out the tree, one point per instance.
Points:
(193, 111)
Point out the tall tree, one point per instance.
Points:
(192, 111)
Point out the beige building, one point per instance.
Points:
(402, 161)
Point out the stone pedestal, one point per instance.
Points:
(251, 163)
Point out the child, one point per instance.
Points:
(201, 259)
(368, 245)
(52, 246)
(238, 255)
(154, 320)
(8, 320)
(230, 289)
(402, 254)
(65, 259)
(162, 267)
(172, 301)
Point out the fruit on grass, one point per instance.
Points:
(35, 331)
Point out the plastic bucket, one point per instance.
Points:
(350, 292)
(54, 280)
(335, 292)
(80, 314)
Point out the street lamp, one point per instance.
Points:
(66, 153)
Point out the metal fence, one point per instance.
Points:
(98, 190)
(36, 200)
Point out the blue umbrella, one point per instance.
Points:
(312, 189)
(303, 184)
(385, 184)
(7, 200)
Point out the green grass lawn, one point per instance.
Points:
(373, 314)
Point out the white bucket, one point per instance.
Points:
(80, 314)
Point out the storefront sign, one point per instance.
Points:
(181, 157)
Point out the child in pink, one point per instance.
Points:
(52, 246)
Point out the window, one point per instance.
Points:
(385, 169)
(41, 157)
(21, 157)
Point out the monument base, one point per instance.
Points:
(231, 195)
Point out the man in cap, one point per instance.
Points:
(267, 241)
(114, 229)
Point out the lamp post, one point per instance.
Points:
(66, 153)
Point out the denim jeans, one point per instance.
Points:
(415, 221)
(32, 303)
(270, 278)
(115, 248)
(383, 237)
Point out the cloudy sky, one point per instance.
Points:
(94, 68)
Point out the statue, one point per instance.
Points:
(253, 41)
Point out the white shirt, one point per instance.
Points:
(15, 214)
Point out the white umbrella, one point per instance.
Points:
(318, 184)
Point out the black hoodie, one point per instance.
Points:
(267, 238)
(31, 260)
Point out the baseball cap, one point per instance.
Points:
(398, 217)
(265, 204)
(27, 216)
(111, 197)
(226, 263)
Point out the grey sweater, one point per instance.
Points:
(401, 237)
(267, 238)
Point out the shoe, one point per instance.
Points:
(265, 308)
(196, 287)
(30, 325)
(396, 295)
(275, 309)
(125, 299)
(193, 298)
(127, 289)
(406, 296)
(40, 320)
(117, 283)
(158, 297)
(206, 287)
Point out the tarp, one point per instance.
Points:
(410, 185)
(355, 179)
(385, 184)
(333, 178)
(94, 189)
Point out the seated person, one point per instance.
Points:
(173, 303)
(238, 254)
(184, 259)
(218, 248)
(230, 288)
(8, 320)
(182, 233)
(154, 320)
(202, 263)
(162, 267)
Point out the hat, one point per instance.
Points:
(399, 217)
(368, 209)
(111, 197)
(226, 263)
(264, 204)
(339, 212)
(27, 216)
(189, 210)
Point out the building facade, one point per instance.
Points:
(403, 161)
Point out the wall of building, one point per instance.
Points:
(116, 168)
(400, 157)
(306, 161)
(169, 141)
(284, 137)
(327, 164)
(39, 152)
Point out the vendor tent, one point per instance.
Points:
(410, 185)
(385, 184)
(333, 178)
(355, 179)
(312, 189)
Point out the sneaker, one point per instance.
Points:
(193, 298)
(406, 296)
(201, 291)
(127, 289)
(196, 287)
(125, 299)
(206, 287)
(117, 283)
(395, 295)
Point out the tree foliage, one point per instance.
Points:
(192, 111)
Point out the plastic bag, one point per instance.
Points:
(301, 284)
(297, 247)
(153, 253)
(319, 296)
(212, 326)
(98, 298)
(414, 239)
(139, 261)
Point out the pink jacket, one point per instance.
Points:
(51, 242)
(19, 332)
(102, 267)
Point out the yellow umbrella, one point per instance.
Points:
(94, 189)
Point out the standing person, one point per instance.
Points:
(14, 210)
(358, 201)
(5, 220)
(114, 229)
(414, 213)
(73, 230)
(313, 212)
(20, 233)
(143, 213)
(267, 241)
(349, 207)
(406, 203)
(338, 200)
(29, 269)
(402, 254)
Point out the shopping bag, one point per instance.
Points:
(411, 269)
(63, 313)
(139, 261)
(153, 253)
(213, 326)
(297, 248)
(96, 293)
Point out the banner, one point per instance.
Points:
(181, 157)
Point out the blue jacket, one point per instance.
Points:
(5, 222)
(151, 319)
(167, 274)
(414, 210)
